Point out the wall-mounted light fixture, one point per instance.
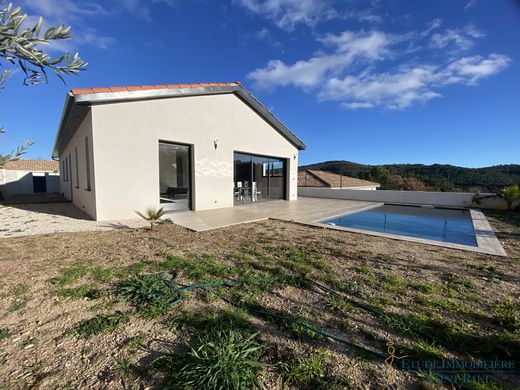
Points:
(215, 143)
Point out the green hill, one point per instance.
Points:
(434, 177)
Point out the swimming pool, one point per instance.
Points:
(438, 224)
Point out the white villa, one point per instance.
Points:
(180, 147)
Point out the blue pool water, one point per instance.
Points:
(447, 225)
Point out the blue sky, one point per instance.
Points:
(367, 81)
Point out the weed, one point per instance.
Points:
(4, 333)
(204, 320)
(71, 274)
(17, 304)
(364, 270)
(507, 314)
(222, 359)
(457, 283)
(100, 323)
(148, 293)
(124, 368)
(339, 304)
(84, 291)
(431, 349)
(134, 343)
(20, 289)
(102, 275)
(197, 267)
(307, 372)
(425, 288)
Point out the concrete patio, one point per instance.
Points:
(303, 210)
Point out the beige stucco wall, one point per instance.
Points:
(81, 197)
(126, 152)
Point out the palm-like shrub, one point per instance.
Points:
(152, 215)
(510, 194)
(221, 359)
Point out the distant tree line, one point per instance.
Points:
(419, 177)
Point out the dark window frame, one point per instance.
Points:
(77, 165)
(87, 165)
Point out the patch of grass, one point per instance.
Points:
(392, 283)
(72, 274)
(425, 288)
(206, 319)
(4, 333)
(340, 305)
(307, 372)
(20, 289)
(507, 314)
(197, 267)
(449, 305)
(134, 343)
(84, 291)
(103, 275)
(457, 283)
(431, 349)
(17, 304)
(222, 359)
(101, 323)
(148, 293)
(125, 369)
(364, 269)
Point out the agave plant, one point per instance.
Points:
(152, 215)
(510, 194)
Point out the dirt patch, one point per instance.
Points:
(50, 283)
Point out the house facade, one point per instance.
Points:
(28, 177)
(180, 147)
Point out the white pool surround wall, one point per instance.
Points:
(125, 147)
(447, 199)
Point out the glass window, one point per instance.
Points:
(174, 176)
(258, 178)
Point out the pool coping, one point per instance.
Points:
(487, 241)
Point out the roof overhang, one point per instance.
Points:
(77, 107)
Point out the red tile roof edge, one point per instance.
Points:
(80, 91)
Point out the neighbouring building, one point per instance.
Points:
(27, 177)
(176, 146)
(312, 178)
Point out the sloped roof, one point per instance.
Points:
(33, 165)
(312, 178)
(79, 100)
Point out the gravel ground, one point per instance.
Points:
(46, 218)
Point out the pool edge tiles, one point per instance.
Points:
(487, 242)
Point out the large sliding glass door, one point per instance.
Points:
(258, 178)
(174, 176)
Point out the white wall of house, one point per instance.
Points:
(125, 147)
(20, 182)
(73, 181)
(448, 199)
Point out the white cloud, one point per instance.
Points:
(459, 39)
(346, 69)
(433, 25)
(470, 4)
(470, 70)
(409, 85)
(265, 35)
(286, 14)
(56, 12)
(349, 46)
